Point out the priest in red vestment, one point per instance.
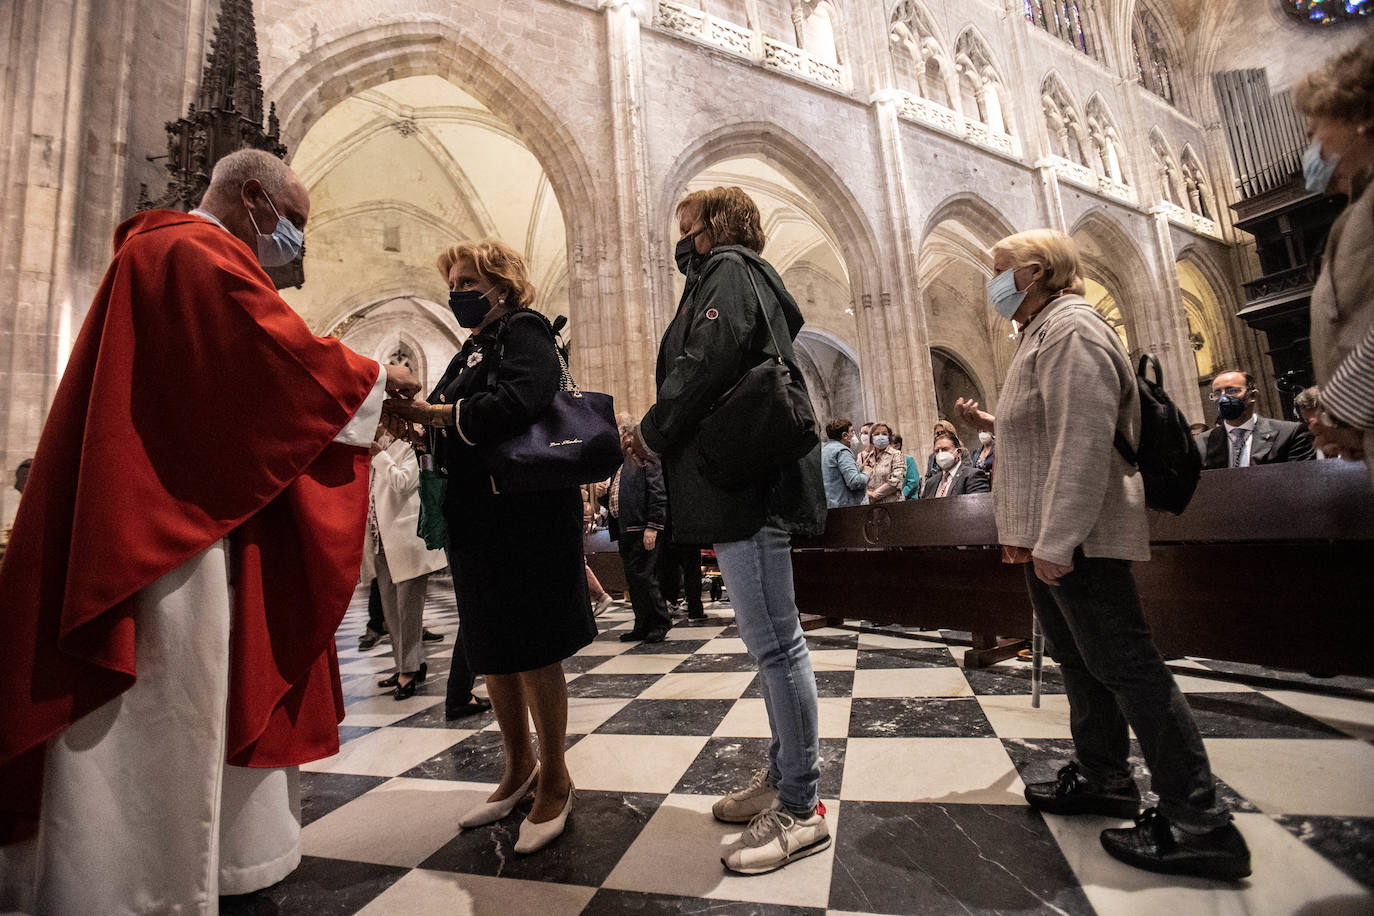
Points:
(184, 551)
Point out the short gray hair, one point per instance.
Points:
(234, 169)
(1308, 399)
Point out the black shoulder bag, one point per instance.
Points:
(762, 423)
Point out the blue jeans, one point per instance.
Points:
(758, 573)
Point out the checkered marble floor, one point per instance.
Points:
(923, 765)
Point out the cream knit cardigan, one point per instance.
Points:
(1060, 482)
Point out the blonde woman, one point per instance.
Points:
(517, 558)
(884, 465)
(1072, 510)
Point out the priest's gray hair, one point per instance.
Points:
(234, 169)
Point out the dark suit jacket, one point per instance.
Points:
(1271, 442)
(967, 479)
(643, 501)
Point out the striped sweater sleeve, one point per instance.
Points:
(1349, 394)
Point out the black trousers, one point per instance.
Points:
(679, 570)
(460, 677)
(651, 613)
(375, 622)
(1114, 676)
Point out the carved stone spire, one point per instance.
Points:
(232, 81)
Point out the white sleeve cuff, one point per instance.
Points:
(458, 425)
(362, 429)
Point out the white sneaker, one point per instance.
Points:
(599, 606)
(774, 838)
(742, 806)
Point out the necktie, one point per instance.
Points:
(613, 503)
(944, 484)
(1237, 445)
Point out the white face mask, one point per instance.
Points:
(863, 439)
(946, 460)
(985, 438)
(1004, 295)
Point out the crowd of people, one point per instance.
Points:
(185, 625)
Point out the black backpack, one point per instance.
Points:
(1168, 459)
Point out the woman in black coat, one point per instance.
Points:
(517, 558)
(732, 298)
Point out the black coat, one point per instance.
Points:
(717, 336)
(642, 502)
(1271, 442)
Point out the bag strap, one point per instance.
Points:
(749, 272)
(565, 380)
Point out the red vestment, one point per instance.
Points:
(196, 404)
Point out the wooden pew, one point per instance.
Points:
(1271, 565)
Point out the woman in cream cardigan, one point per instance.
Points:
(1338, 100)
(1071, 509)
(397, 558)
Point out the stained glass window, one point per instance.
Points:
(1152, 64)
(1327, 12)
(1068, 20)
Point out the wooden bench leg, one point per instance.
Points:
(988, 650)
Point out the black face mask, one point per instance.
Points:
(1230, 408)
(468, 306)
(685, 254)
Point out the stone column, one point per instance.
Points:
(1167, 323)
(626, 293)
(911, 402)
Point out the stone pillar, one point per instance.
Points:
(911, 402)
(1167, 323)
(626, 294)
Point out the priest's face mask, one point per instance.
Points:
(277, 227)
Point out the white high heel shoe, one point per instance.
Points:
(491, 812)
(534, 837)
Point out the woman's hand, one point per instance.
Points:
(969, 412)
(1050, 573)
(650, 538)
(411, 410)
(1339, 441)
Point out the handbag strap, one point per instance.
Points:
(565, 379)
(749, 272)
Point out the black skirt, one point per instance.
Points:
(518, 572)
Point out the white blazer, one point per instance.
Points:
(395, 483)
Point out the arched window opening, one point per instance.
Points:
(1153, 66)
(1168, 173)
(1064, 124)
(1196, 186)
(978, 78)
(817, 32)
(1068, 20)
(1106, 142)
(921, 61)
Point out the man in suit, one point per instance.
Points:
(953, 476)
(1243, 438)
(638, 504)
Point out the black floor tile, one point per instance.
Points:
(918, 717)
(349, 732)
(615, 903)
(321, 793)
(579, 664)
(667, 647)
(478, 758)
(727, 764)
(433, 717)
(600, 829)
(825, 643)
(939, 859)
(612, 686)
(319, 887)
(729, 661)
(1253, 715)
(1005, 680)
(667, 717)
(828, 684)
(923, 657)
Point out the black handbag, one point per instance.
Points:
(764, 422)
(574, 441)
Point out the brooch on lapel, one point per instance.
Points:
(474, 358)
(712, 314)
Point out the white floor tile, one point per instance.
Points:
(684, 632)
(1354, 717)
(605, 647)
(879, 641)
(972, 771)
(436, 893)
(1298, 775)
(639, 664)
(1207, 685)
(587, 714)
(632, 763)
(911, 682)
(716, 685)
(401, 822)
(679, 852)
(1014, 717)
(834, 659)
(748, 718)
(724, 646)
(389, 751)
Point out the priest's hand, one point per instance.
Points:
(969, 412)
(400, 381)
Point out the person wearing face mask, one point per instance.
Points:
(735, 313)
(884, 465)
(1071, 509)
(955, 476)
(1338, 101)
(941, 428)
(984, 456)
(518, 566)
(845, 484)
(1242, 437)
(911, 486)
(860, 441)
(201, 435)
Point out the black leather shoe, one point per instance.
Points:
(1072, 793)
(389, 681)
(471, 708)
(632, 636)
(406, 691)
(368, 639)
(656, 636)
(1155, 844)
(427, 636)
